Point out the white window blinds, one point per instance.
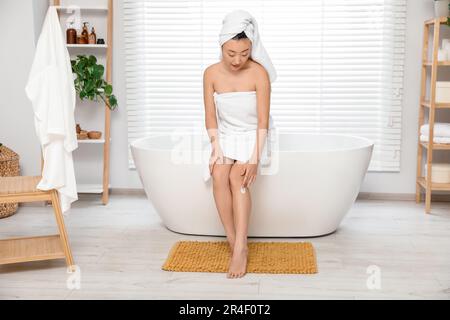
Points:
(339, 65)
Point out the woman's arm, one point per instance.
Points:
(210, 108)
(263, 89)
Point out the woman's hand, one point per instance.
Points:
(216, 154)
(250, 171)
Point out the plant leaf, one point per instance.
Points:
(108, 89)
(112, 102)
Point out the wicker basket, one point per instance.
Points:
(9, 166)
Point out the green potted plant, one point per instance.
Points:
(89, 82)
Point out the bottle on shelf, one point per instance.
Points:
(84, 38)
(92, 37)
(71, 34)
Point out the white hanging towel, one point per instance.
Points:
(51, 89)
(240, 20)
(441, 129)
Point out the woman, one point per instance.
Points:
(239, 87)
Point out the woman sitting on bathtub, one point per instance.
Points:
(239, 87)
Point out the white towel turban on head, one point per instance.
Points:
(240, 20)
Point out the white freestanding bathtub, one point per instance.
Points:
(317, 180)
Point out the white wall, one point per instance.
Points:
(15, 109)
(16, 52)
(39, 11)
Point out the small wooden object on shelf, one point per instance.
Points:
(430, 105)
(94, 134)
(82, 135)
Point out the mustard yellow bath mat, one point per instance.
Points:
(263, 257)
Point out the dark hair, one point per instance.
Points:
(241, 35)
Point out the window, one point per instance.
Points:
(339, 65)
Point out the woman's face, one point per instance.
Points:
(236, 53)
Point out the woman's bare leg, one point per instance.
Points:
(242, 205)
(223, 198)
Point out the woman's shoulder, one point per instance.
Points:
(257, 68)
(210, 73)
(212, 68)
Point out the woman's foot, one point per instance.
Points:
(238, 262)
(231, 243)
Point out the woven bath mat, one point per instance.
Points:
(263, 257)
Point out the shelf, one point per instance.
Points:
(87, 46)
(99, 11)
(439, 63)
(90, 188)
(74, 7)
(432, 105)
(441, 20)
(434, 185)
(30, 249)
(437, 146)
(91, 141)
(427, 104)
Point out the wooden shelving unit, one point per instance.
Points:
(431, 106)
(101, 188)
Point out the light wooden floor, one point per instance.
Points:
(120, 249)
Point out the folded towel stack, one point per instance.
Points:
(440, 172)
(424, 138)
(441, 133)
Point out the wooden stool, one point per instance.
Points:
(14, 250)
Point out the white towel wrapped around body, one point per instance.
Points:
(237, 125)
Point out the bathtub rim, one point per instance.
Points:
(254, 237)
(368, 142)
